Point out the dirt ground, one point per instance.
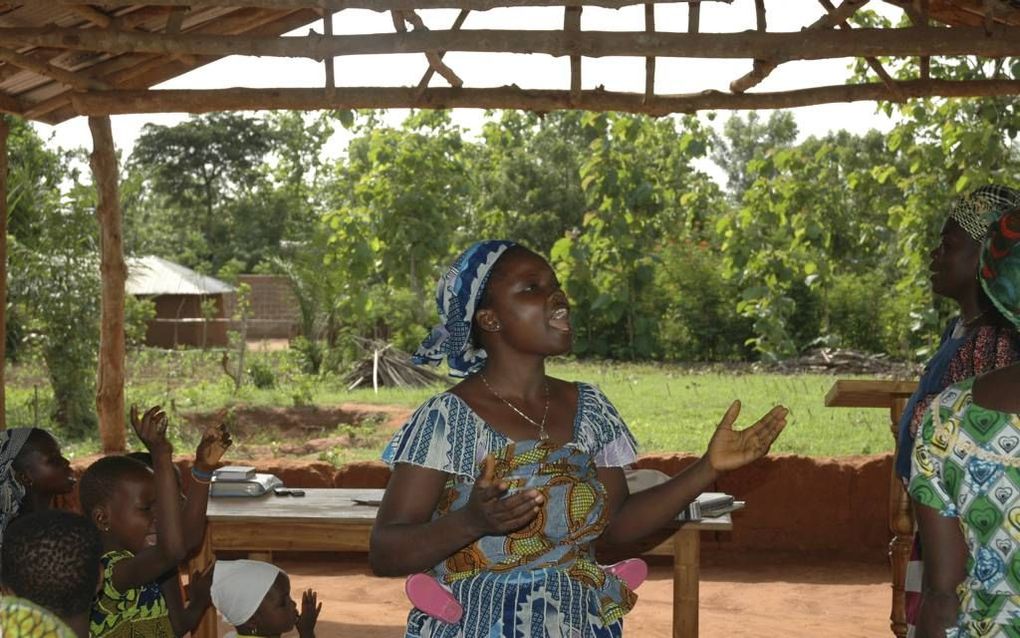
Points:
(769, 598)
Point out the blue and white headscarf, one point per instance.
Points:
(11, 491)
(457, 297)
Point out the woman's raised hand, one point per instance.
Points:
(730, 449)
(491, 513)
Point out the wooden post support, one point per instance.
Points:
(5, 129)
(113, 270)
(901, 523)
(686, 581)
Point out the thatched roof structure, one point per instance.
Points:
(61, 58)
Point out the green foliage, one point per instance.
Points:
(137, 314)
(262, 375)
(699, 319)
(633, 179)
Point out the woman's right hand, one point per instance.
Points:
(491, 513)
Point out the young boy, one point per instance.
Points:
(51, 559)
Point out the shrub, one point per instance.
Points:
(698, 317)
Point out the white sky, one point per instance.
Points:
(673, 75)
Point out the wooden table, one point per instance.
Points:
(892, 395)
(330, 520)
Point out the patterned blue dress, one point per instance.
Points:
(541, 581)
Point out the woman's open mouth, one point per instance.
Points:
(560, 319)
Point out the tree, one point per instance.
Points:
(525, 177)
(744, 140)
(196, 168)
(54, 275)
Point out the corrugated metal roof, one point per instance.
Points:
(152, 276)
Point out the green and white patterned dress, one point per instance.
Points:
(966, 465)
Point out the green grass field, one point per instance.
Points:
(669, 408)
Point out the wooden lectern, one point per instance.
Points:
(892, 395)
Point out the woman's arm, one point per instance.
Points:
(945, 567)
(405, 539)
(634, 516)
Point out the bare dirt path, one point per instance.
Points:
(801, 600)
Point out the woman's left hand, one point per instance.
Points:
(730, 449)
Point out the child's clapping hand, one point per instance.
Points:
(151, 429)
(310, 609)
(214, 444)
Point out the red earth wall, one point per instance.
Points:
(795, 504)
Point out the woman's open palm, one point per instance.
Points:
(730, 449)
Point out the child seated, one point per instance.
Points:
(137, 511)
(254, 597)
(32, 473)
(185, 617)
(51, 574)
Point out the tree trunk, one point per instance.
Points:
(4, 131)
(113, 270)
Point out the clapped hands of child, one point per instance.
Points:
(310, 608)
(492, 511)
(730, 449)
(214, 444)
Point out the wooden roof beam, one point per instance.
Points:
(765, 65)
(806, 45)
(78, 81)
(873, 63)
(12, 105)
(427, 76)
(93, 15)
(376, 5)
(512, 97)
(435, 60)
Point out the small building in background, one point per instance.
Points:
(275, 313)
(179, 294)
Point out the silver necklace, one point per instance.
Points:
(542, 434)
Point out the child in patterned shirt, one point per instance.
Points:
(138, 513)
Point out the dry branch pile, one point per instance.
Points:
(841, 361)
(385, 366)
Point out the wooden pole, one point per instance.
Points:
(511, 97)
(650, 61)
(809, 44)
(5, 130)
(110, 374)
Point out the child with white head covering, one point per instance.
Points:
(254, 597)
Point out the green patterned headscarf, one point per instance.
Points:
(1000, 266)
(978, 210)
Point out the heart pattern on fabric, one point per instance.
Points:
(1014, 518)
(982, 471)
(1009, 443)
(1003, 494)
(1004, 545)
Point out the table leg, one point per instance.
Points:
(207, 626)
(686, 575)
(901, 523)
